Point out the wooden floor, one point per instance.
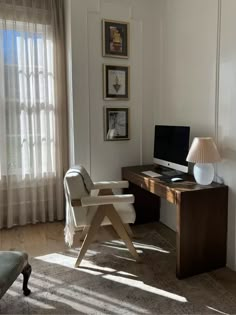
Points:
(41, 239)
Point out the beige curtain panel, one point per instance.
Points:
(32, 111)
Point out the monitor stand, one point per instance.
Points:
(166, 171)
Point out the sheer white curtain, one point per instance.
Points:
(32, 111)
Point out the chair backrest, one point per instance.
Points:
(78, 184)
(78, 181)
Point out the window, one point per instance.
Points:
(32, 111)
(28, 74)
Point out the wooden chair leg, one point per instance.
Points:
(128, 230)
(84, 233)
(110, 212)
(126, 225)
(120, 229)
(93, 228)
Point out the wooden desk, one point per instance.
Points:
(201, 219)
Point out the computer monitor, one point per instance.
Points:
(171, 145)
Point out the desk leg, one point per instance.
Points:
(201, 231)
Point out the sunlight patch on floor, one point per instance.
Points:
(107, 270)
(12, 293)
(125, 249)
(151, 247)
(218, 311)
(125, 258)
(98, 268)
(139, 245)
(142, 286)
(126, 274)
(63, 260)
(58, 259)
(89, 252)
(69, 262)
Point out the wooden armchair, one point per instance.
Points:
(88, 211)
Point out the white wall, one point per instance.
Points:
(104, 159)
(189, 92)
(227, 115)
(187, 70)
(188, 65)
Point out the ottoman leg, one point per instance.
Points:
(26, 274)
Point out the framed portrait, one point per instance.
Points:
(115, 40)
(116, 123)
(115, 82)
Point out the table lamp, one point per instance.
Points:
(203, 152)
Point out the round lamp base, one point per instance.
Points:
(203, 173)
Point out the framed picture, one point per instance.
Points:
(115, 82)
(115, 39)
(116, 123)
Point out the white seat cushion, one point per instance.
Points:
(84, 216)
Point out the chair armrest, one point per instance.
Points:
(111, 184)
(106, 200)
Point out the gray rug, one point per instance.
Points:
(110, 282)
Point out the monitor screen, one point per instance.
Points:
(171, 145)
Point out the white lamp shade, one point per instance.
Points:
(203, 150)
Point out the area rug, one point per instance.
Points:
(111, 282)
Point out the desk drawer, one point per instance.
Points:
(151, 185)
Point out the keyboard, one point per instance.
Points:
(152, 174)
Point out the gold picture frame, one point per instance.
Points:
(116, 123)
(116, 82)
(115, 39)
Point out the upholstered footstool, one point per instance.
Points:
(12, 263)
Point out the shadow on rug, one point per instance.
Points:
(111, 282)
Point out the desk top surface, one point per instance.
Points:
(162, 187)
